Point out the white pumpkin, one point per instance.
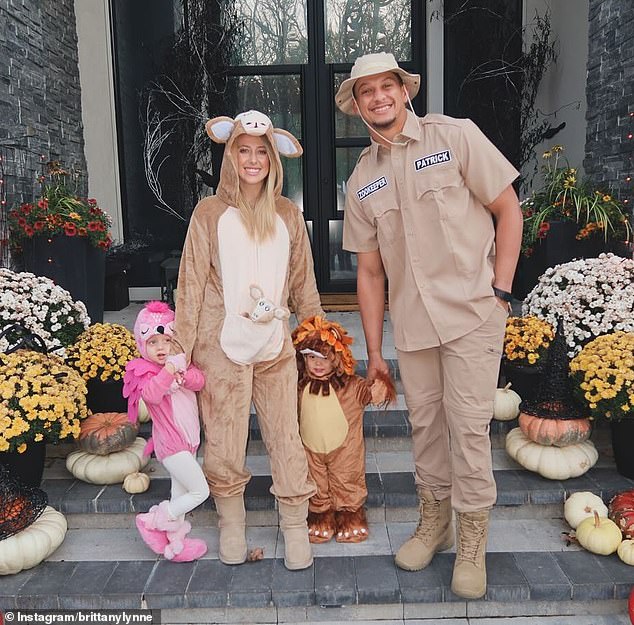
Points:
(37, 542)
(506, 405)
(108, 469)
(581, 505)
(144, 415)
(625, 551)
(554, 463)
(136, 483)
(599, 535)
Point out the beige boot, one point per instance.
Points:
(298, 553)
(434, 533)
(232, 521)
(469, 572)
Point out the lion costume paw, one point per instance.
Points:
(321, 526)
(351, 526)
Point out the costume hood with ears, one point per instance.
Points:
(154, 318)
(226, 130)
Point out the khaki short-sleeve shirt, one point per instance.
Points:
(423, 206)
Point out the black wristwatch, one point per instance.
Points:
(505, 295)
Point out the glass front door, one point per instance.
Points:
(293, 56)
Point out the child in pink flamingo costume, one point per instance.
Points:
(167, 388)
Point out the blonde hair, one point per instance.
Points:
(259, 220)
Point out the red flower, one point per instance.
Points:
(28, 231)
(42, 204)
(101, 227)
(26, 208)
(21, 221)
(82, 232)
(38, 225)
(92, 202)
(93, 226)
(70, 230)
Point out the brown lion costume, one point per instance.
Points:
(331, 427)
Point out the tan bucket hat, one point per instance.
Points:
(369, 65)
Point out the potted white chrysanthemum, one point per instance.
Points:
(42, 307)
(592, 297)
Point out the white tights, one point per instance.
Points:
(189, 485)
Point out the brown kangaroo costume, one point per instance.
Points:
(331, 426)
(246, 360)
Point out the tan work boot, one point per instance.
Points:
(434, 533)
(232, 521)
(298, 553)
(469, 572)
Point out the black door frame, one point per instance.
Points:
(318, 128)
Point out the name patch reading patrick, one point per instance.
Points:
(379, 183)
(433, 159)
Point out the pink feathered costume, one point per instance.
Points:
(175, 436)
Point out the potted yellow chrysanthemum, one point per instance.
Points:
(526, 342)
(41, 401)
(100, 355)
(603, 372)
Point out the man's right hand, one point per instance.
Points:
(376, 363)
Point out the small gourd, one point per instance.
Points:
(599, 535)
(106, 432)
(143, 414)
(506, 405)
(625, 551)
(136, 483)
(110, 469)
(621, 511)
(37, 542)
(581, 505)
(554, 463)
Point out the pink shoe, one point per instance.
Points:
(159, 518)
(176, 539)
(193, 549)
(156, 540)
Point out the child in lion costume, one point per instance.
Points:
(332, 400)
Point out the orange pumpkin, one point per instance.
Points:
(106, 432)
(556, 432)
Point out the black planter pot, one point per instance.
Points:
(27, 467)
(106, 396)
(524, 379)
(72, 263)
(622, 436)
(559, 246)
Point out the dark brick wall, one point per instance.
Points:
(40, 105)
(610, 92)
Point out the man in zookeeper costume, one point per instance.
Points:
(430, 205)
(246, 255)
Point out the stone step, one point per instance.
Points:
(335, 589)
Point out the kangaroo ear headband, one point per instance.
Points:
(255, 124)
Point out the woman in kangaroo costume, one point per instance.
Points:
(246, 255)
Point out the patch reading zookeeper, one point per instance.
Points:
(377, 184)
(433, 159)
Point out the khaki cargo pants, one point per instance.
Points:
(449, 391)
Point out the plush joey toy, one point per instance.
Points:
(264, 309)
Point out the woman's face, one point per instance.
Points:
(253, 161)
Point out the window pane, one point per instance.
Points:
(273, 32)
(279, 98)
(347, 125)
(346, 159)
(343, 265)
(355, 28)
